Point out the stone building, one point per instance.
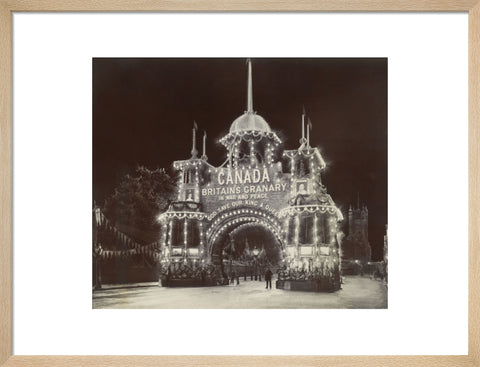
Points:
(355, 245)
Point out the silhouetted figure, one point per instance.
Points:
(268, 278)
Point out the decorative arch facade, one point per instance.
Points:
(259, 183)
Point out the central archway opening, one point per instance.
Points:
(246, 251)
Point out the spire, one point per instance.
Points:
(249, 88)
(303, 123)
(303, 141)
(194, 146)
(309, 127)
(204, 155)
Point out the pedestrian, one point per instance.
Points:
(268, 278)
(169, 273)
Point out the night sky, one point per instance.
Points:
(143, 112)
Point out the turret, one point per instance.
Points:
(250, 141)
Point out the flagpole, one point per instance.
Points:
(303, 126)
(204, 141)
(308, 135)
(308, 132)
(249, 88)
(204, 155)
(302, 140)
(194, 148)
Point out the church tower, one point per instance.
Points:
(356, 245)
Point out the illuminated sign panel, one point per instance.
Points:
(258, 187)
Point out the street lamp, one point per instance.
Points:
(230, 255)
(98, 271)
(250, 261)
(97, 249)
(255, 254)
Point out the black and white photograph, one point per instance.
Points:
(239, 183)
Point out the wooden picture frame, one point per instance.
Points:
(7, 7)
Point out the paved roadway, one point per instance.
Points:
(356, 292)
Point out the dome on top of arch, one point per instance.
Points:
(249, 121)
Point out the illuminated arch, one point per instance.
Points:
(231, 219)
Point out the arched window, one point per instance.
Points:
(188, 175)
(302, 167)
(291, 230)
(193, 233)
(321, 228)
(305, 234)
(177, 232)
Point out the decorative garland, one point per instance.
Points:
(245, 134)
(307, 153)
(135, 248)
(259, 221)
(181, 215)
(248, 211)
(191, 163)
(293, 210)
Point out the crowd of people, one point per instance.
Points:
(303, 273)
(186, 271)
(209, 274)
(216, 275)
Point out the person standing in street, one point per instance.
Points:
(268, 278)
